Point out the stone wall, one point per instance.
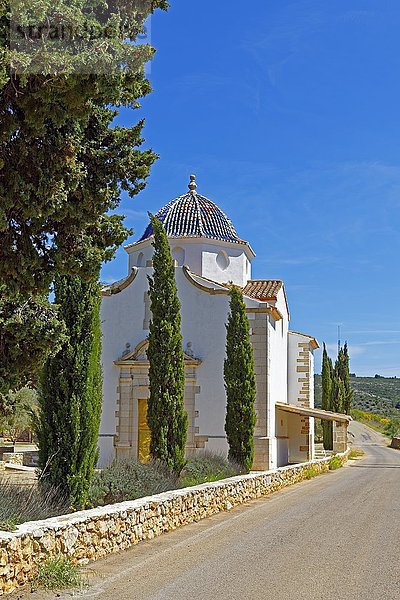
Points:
(13, 458)
(92, 534)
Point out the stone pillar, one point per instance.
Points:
(259, 324)
(340, 436)
(264, 432)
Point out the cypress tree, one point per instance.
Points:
(342, 393)
(71, 393)
(345, 377)
(240, 383)
(327, 426)
(338, 394)
(166, 414)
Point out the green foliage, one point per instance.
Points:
(166, 414)
(57, 573)
(335, 463)
(389, 426)
(17, 410)
(373, 395)
(318, 431)
(21, 503)
(327, 426)
(207, 467)
(62, 99)
(311, 471)
(29, 331)
(342, 393)
(71, 394)
(63, 162)
(128, 480)
(334, 393)
(240, 384)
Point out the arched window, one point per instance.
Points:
(178, 254)
(222, 260)
(140, 260)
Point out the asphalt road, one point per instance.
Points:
(334, 537)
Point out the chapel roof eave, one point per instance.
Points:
(191, 239)
(317, 413)
(266, 290)
(214, 288)
(313, 341)
(117, 287)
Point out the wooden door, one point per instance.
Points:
(143, 432)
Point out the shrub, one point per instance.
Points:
(207, 467)
(21, 503)
(58, 572)
(126, 480)
(311, 471)
(335, 463)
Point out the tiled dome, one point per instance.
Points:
(193, 215)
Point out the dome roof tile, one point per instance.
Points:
(193, 215)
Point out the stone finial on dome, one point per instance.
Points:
(192, 185)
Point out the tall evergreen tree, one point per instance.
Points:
(342, 394)
(240, 383)
(327, 426)
(343, 373)
(166, 414)
(338, 394)
(71, 394)
(63, 162)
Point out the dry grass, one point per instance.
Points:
(21, 502)
(356, 453)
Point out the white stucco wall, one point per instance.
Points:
(122, 317)
(203, 324)
(203, 318)
(295, 385)
(216, 260)
(277, 372)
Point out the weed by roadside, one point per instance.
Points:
(355, 453)
(57, 573)
(335, 463)
(311, 471)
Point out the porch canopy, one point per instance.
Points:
(318, 413)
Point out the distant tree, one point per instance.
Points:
(166, 414)
(342, 374)
(71, 394)
(338, 394)
(17, 412)
(327, 426)
(240, 383)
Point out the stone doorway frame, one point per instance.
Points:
(133, 386)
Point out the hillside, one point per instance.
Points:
(371, 395)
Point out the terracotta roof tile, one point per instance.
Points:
(262, 289)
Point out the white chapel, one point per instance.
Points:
(208, 255)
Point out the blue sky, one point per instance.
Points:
(288, 113)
